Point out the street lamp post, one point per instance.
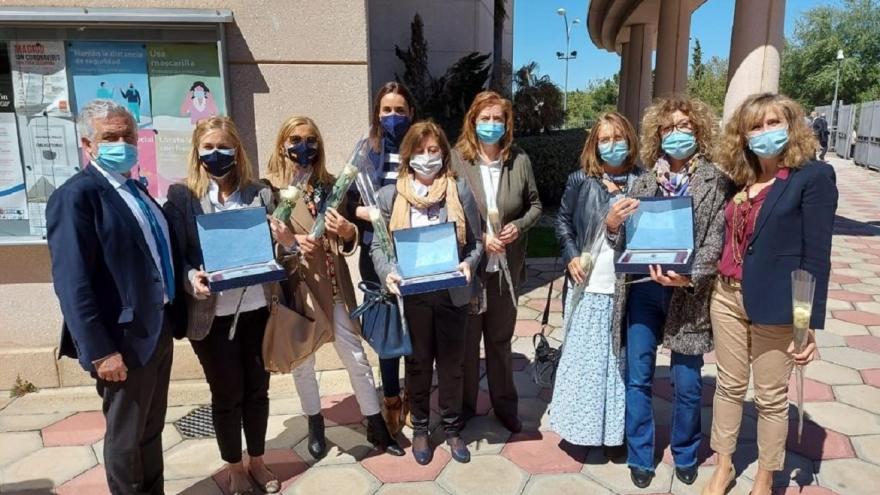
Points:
(836, 85)
(567, 55)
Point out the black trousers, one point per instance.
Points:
(135, 414)
(239, 382)
(437, 330)
(495, 327)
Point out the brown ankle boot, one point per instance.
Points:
(392, 414)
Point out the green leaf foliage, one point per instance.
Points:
(554, 155)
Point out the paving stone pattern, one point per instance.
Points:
(52, 441)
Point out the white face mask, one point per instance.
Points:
(426, 165)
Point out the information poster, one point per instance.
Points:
(186, 87)
(13, 201)
(39, 78)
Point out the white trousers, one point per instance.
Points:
(350, 349)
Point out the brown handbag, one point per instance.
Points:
(290, 336)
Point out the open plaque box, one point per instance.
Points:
(427, 258)
(237, 249)
(661, 232)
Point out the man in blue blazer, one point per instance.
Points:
(114, 271)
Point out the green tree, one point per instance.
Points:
(697, 70)
(711, 86)
(585, 106)
(537, 102)
(809, 64)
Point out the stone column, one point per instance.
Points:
(638, 84)
(673, 34)
(624, 77)
(755, 50)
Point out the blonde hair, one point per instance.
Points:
(414, 136)
(590, 160)
(280, 169)
(659, 115)
(740, 162)
(468, 143)
(197, 177)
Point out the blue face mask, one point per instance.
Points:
(679, 145)
(614, 153)
(219, 161)
(490, 132)
(303, 153)
(395, 126)
(769, 144)
(117, 157)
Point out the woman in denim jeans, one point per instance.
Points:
(671, 308)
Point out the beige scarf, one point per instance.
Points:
(444, 187)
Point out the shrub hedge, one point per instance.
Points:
(554, 155)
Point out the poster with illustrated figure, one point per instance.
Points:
(111, 71)
(13, 201)
(39, 78)
(186, 86)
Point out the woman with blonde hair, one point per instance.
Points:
(589, 394)
(219, 179)
(780, 220)
(501, 178)
(428, 193)
(318, 267)
(670, 308)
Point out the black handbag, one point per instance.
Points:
(546, 357)
(381, 323)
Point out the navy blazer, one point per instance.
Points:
(793, 230)
(110, 290)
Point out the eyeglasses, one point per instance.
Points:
(681, 125)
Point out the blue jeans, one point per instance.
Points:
(646, 316)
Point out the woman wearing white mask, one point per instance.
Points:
(501, 178)
(219, 179)
(427, 193)
(671, 309)
(781, 220)
(588, 394)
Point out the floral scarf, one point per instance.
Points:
(675, 184)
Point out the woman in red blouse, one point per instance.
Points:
(780, 220)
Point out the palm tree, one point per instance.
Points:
(537, 102)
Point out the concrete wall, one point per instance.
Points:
(453, 29)
(285, 57)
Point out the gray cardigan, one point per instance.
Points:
(471, 252)
(182, 207)
(688, 329)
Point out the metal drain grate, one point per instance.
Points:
(196, 424)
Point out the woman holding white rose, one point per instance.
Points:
(318, 267)
(780, 220)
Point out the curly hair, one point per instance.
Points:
(740, 162)
(659, 115)
(590, 160)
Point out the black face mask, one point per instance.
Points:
(303, 153)
(218, 162)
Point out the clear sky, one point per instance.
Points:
(538, 34)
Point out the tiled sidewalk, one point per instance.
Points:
(51, 441)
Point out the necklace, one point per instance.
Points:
(620, 181)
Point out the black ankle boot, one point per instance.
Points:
(317, 441)
(421, 448)
(378, 435)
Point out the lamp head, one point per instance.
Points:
(576, 21)
(560, 54)
(560, 11)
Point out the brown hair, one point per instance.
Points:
(590, 160)
(740, 162)
(414, 136)
(468, 143)
(281, 167)
(376, 131)
(197, 178)
(659, 115)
